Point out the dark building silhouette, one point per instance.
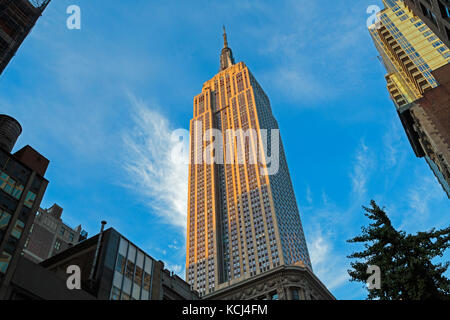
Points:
(436, 14)
(17, 18)
(22, 186)
(49, 235)
(113, 268)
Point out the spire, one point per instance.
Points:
(225, 38)
(226, 57)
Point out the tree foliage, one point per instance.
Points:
(405, 260)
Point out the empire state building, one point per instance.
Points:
(243, 219)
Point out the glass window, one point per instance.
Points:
(130, 269)
(57, 245)
(120, 265)
(123, 246)
(29, 200)
(148, 265)
(124, 296)
(126, 286)
(18, 229)
(140, 259)
(138, 276)
(132, 253)
(118, 279)
(147, 280)
(4, 219)
(17, 192)
(5, 258)
(115, 293)
(136, 292)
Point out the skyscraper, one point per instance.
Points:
(412, 55)
(243, 218)
(17, 18)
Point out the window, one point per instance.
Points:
(120, 265)
(10, 186)
(295, 294)
(115, 293)
(5, 258)
(29, 200)
(57, 245)
(71, 237)
(5, 217)
(18, 229)
(130, 269)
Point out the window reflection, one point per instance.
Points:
(10, 186)
(130, 269)
(18, 229)
(5, 258)
(5, 217)
(29, 200)
(120, 265)
(115, 293)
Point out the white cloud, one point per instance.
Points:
(152, 172)
(328, 265)
(361, 170)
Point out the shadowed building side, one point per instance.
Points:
(17, 18)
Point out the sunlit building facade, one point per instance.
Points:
(243, 220)
(411, 54)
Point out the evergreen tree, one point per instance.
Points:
(405, 261)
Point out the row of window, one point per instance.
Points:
(15, 189)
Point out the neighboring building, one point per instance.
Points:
(49, 235)
(294, 282)
(17, 18)
(436, 14)
(412, 54)
(22, 186)
(31, 281)
(243, 219)
(121, 271)
(427, 124)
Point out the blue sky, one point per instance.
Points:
(101, 103)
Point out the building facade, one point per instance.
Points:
(291, 282)
(436, 14)
(17, 18)
(22, 186)
(113, 268)
(412, 54)
(49, 235)
(243, 218)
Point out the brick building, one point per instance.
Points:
(49, 235)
